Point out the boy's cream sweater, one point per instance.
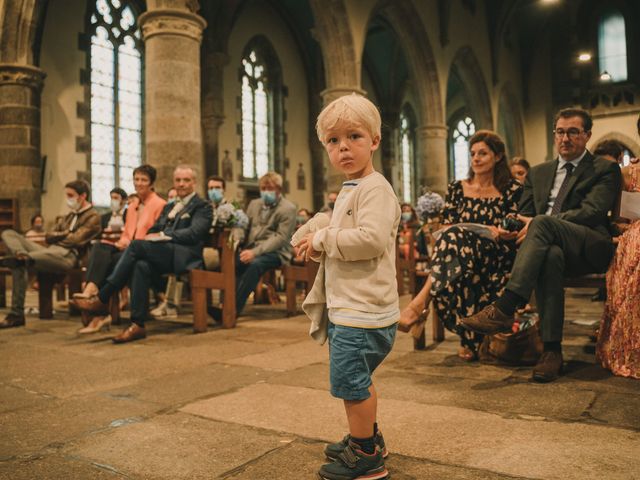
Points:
(358, 253)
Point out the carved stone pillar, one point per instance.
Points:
(173, 125)
(20, 162)
(433, 159)
(212, 109)
(335, 178)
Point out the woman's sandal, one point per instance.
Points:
(417, 330)
(466, 354)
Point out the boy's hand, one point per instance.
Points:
(305, 247)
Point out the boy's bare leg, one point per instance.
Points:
(361, 414)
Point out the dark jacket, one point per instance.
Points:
(593, 190)
(188, 231)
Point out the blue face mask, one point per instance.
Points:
(215, 194)
(406, 216)
(171, 201)
(268, 197)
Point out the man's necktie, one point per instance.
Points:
(562, 193)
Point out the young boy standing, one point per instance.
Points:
(357, 255)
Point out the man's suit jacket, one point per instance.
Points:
(188, 231)
(270, 231)
(593, 190)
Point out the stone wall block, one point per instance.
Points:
(14, 95)
(19, 155)
(14, 135)
(18, 115)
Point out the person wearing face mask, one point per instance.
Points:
(272, 219)
(113, 221)
(67, 245)
(139, 218)
(172, 196)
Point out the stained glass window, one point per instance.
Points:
(407, 158)
(116, 98)
(256, 115)
(612, 46)
(462, 132)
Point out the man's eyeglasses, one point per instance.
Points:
(572, 133)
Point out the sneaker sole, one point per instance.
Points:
(369, 476)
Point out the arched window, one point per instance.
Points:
(407, 153)
(612, 46)
(116, 97)
(256, 117)
(462, 132)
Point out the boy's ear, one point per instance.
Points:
(375, 143)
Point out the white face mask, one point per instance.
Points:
(73, 203)
(115, 205)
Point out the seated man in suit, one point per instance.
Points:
(272, 219)
(565, 206)
(67, 245)
(172, 245)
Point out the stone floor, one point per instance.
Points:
(252, 403)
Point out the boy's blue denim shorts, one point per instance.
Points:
(354, 354)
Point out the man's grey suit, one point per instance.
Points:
(576, 241)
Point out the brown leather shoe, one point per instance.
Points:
(548, 367)
(12, 320)
(134, 332)
(91, 304)
(488, 321)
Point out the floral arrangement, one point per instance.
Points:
(429, 205)
(230, 215)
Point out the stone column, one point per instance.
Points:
(20, 162)
(173, 125)
(433, 159)
(334, 178)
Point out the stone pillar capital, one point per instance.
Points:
(330, 94)
(433, 131)
(170, 21)
(25, 75)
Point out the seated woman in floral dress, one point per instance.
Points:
(618, 347)
(469, 265)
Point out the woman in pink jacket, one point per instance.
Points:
(105, 254)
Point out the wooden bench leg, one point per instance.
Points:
(3, 291)
(291, 297)
(75, 286)
(420, 343)
(229, 306)
(45, 295)
(199, 297)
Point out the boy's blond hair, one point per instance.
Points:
(271, 177)
(351, 109)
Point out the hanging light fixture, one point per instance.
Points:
(605, 76)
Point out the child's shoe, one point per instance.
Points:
(334, 449)
(354, 464)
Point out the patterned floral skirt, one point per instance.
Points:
(618, 347)
(468, 272)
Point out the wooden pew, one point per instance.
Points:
(47, 283)
(203, 280)
(406, 265)
(298, 273)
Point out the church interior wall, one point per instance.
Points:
(62, 61)
(258, 19)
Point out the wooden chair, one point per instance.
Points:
(294, 274)
(8, 220)
(225, 279)
(47, 283)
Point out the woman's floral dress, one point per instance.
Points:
(468, 271)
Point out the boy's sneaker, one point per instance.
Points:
(354, 464)
(334, 449)
(164, 310)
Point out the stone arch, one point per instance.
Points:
(405, 21)
(467, 68)
(333, 33)
(509, 121)
(620, 137)
(21, 26)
